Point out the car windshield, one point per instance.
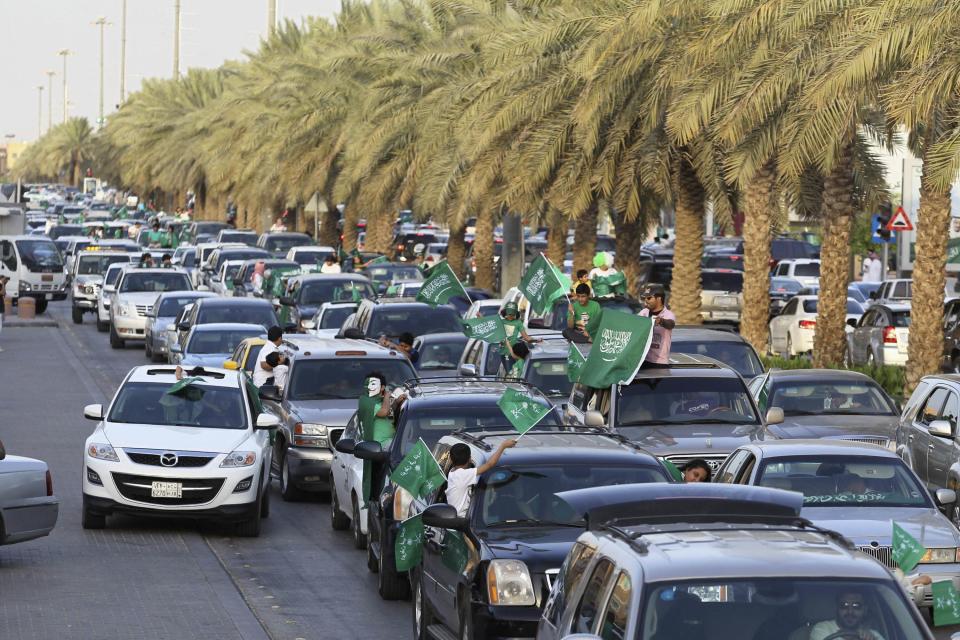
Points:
(853, 307)
(239, 236)
(335, 290)
(393, 274)
(731, 281)
(739, 356)
(333, 318)
(282, 244)
(170, 307)
(693, 401)
(391, 320)
(40, 254)
(830, 397)
(219, 341)
(432, 424)
(198, 405)
(310, 257)
(155, 281)
(189, 259)
(845, 481)
(524, 496)
(341, 377)
(766, 608)
(807, 270)
(443, 354)
(261, 314)
(550, 376)
(94, 265)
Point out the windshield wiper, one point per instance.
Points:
(321, 396)
(535, 521)
(668, 422)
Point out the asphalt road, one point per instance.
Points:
(161, 579)
(158, 579)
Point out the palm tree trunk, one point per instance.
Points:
(457, 250)
(759, 204)
(556, 236)
(838, 210)
(629, 243)
(329, 235)
(380, 232)
(929, 276)
(688, 247)
(585, 238)
(483, 242)
(349, 232)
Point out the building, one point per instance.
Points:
(10, 152)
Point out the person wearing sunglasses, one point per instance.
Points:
(851, 621)
(663, 323)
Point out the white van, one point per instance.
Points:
(35, 269)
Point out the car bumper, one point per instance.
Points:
(34, 519)
(223, 513)
(804, 340)
(507, 622)
(130, 327)
(309, 468)
(893, 356)
(720, 315)
(45, 295)
(86, 304)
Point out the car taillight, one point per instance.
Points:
(808, 324)
(49, 483)
(889, 335)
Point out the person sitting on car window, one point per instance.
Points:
(463, 476)
(851, 620)
(697, 470)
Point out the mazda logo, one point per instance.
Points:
(169, 459)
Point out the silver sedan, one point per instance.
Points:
(28, 508)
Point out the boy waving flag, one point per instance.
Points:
(441, 285)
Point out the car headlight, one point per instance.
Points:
(306, 434)
(401, 503)
(25, 286)
(940, 556)
(239, 459)
(122, 310)
(509, 583)
(102, 452)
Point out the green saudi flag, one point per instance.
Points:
(487, 329)
(441, 285)
(946, 603)
(575, 362)
(619, 347)
(542, 284)
(419, 472)
(377, 260)
(408, 548)
(522, 410)
(907, 551)
(672, 469)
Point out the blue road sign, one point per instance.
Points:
(876, 238)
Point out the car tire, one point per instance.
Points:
(102, 327)
(789, 346)
(158, 357)
(265, 500)
(93, 520)
(250, 528)
(372, 564)
(955, 363)
(390, 584)
(288, 491)
(41, 306)
(77, 314)
(470, 629)
(359, 537)
(422, 616)
(148, 350)
(339, 521)
(115, 341)
(871, 359)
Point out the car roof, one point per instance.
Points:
(325, 348)
(403, 302)
(167, 373)
(218, 301)
(196, 295)
(820, 447)
(896, 307)
(227, 326)
(819, 375)
(684, 365)
(479, 391)
(133, 268)
(104, 253)
(702, 334)
(321, 277)
(442, 337)
(556, 447)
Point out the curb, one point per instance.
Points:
(24, 324)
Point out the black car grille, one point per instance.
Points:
(195, 490)
(883, 554)
(155, 458)
(713, 461)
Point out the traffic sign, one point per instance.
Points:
(900, 221)
(878, 229)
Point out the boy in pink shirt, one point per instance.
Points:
(663, 323)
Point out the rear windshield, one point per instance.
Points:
(736, 355)
(723, 261)
(808, 269)
(172, 306)
(282, 244)
(310, 257)
(730, 281)
(247, 314)
(901, 319)
(155, 281)
(830, 397)
(393, 274)
(239, 236)
(419, 321)
(684, 401)
(197, 406)
(549, 376)
(441, 355)
(783, 285)
(342, 378)
(334, 291)
(810, 306)
(210, 342)
(333, 318)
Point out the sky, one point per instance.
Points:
(33, 31)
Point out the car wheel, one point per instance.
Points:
(148, 350)
(288, 491)
(338, 519)
(789, 346)
(77, 314)
(93, 520)
(41, 306)
(250, 528)
(871, 359)
(955, 363)
(102, 327)
(422, 616)
(265, 500)
(469, 628)
(390, 584)
(158, 357)
(359, 537)
(115, 341)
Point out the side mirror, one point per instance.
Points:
(171, 327)
(231, 365)
(370, 450)
(353, 333)
(288, 301)
(308, 324)
(443, 516)
(774, 415)
(267, 421)
(93, 412)
(270, 392)
(468, 370)
(345, 445)
(176, 348)
(3, 452)
(183, 326)
(945, 496)
(203, 287)
(109, 289)
(594, 419)
(941, 429)
(151, 314)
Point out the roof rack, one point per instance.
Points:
(421, 382)
(173, 371)
(726, 328)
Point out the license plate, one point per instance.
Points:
(46, 278)
(166, 490)
(49, 296)
(725, 315)
(725, 301)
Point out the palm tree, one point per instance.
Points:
(63, 151)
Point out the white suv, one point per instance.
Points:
(203, 452)
(806, 271)
(136, 290)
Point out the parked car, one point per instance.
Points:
(856, 490)
(792, 331)
(161, 331)
(209, 345)
(828, 403)
(437, 355)
(721, 295)
(881, 336)
(806, 271)
(28, 508)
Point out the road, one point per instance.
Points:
(159, 579)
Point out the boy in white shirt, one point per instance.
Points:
(463, 477)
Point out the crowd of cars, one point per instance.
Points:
(580, 530)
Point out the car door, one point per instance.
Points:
(729, 471)
(780, 324)
(439, 581)
(951, 335)
(855, 339)
(919, 440)
(343, 466)
(587, 615)
(941, 451)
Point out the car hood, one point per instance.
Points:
(437, 373)
(540, 548)
(138, 297)
(205, 360)
(17, 464)
(703, 439)
(90, 278)
(828, 426)
(868, 525)
(333, 413)
(145, 436)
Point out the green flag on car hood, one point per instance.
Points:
(408, 549)
(619, 347)
(487, 329)
(441, 285)
(542, 284)
(946, 603)
(522, 410)
(907, 550)
(418, 472)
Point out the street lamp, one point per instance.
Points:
(101, 22)
(123, 52)
(50, 75)
(176, 39)
(64, 53)
(39, 110)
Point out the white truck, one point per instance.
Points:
(32, 263)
